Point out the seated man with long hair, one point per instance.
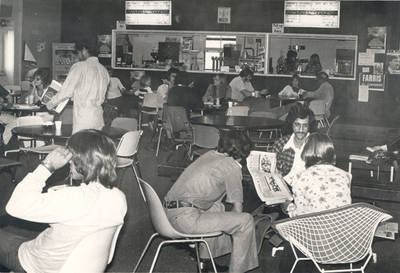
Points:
(194, 203)
(72, 212)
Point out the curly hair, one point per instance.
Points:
(94, 156)
(236, 144)
(44, 74)
(301, 111)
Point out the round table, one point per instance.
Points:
(26, 109)
(50, 133)
(237, 122)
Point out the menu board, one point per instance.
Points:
(317, 14)
(148, 12)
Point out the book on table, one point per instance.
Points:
(270, 186)
(50, 92)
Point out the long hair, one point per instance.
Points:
(236, 144)
(318, 149)
(94, 156)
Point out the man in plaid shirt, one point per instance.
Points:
(289, 147)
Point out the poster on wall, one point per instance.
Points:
(375, 82)
(393, 62)
(377, 37)
(104, 45)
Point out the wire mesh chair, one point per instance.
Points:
(164, 229)
(338, 236)
(265, 138)
(319, 109)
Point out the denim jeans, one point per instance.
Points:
(9, 244)
(238, 237)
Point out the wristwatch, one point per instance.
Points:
(46, 164)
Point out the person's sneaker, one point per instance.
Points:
(206, 266)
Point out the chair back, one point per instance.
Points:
(153, 100)
(157, 212)
(238, 111)
(318, 107)
(93, 253)
(175, 119)
(128, 145)
(205, 136)
(341, 235)
(125, 123)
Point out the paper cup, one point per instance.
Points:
(230, 103)
(58, 124)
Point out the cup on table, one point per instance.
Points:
(217, 102)
(230, 103)
(58, 124)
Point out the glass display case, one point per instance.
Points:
(307, 54)
(194, 51)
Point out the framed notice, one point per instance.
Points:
(313, 14)
(148, 12)
(224, 15)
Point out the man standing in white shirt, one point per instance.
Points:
(86, 84)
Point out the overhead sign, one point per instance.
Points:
(224, 15)
(318, 14)
(148, 12)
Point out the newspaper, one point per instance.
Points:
(50, 92)
(270, 186)
(387, 230)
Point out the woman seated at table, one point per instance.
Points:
(292, 89)
(40, 81)
(219, 89)
(321, 186)
(72, 212)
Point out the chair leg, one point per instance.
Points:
(159, 141)
(138, 181)
(198, 257)
(156, 256)
(136, 164)
(140, 120)
(144, 251)
(211, 257)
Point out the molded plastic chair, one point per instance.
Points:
(93, 253)
(338, 236)
(152, 103)
(204, 137)
(238, 111)
(125, 123)
(164, 229)
(127, 152)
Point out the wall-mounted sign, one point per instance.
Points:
(278, 28)
(148, 12)
(224, 15)
(318, 14)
